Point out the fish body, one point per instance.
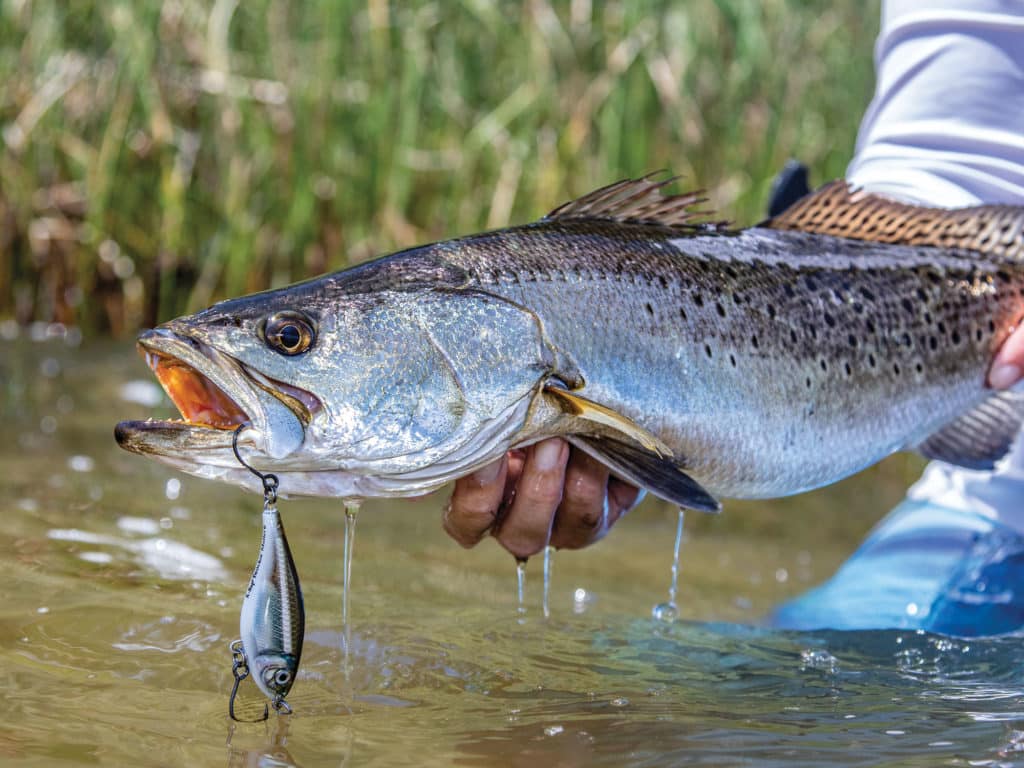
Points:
(273, 617)
(695, 360)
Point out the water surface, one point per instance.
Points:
(123, 582)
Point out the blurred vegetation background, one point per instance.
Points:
(158, 155)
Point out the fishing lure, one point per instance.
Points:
(273, 617)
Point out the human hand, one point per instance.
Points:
(548, 493)
(1008, 365)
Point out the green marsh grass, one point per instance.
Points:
(159, 155)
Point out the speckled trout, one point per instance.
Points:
(692, 359)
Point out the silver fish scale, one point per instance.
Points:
(837, 349)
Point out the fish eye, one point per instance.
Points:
(283, 677)
(290, 333)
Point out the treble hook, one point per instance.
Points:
(240, 670)
(269, 480)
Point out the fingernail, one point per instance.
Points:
(488, 474)
(548, 454)
(1004, 376)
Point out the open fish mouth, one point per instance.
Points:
(201, 402)
(215, 394)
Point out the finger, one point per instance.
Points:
(1009, 363)
(525, 528)
(473, 507)
(622, 497)
(583, 512)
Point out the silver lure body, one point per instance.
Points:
(273, 617)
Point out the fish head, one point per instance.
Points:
(274, 673)
(346, 388)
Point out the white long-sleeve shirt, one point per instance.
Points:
(946, 128)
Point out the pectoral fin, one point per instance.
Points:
(658, 474)
(583, 408)
(982, 436)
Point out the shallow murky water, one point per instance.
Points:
(123, 582)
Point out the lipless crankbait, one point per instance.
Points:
(273, 618)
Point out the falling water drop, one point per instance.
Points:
(669, 611)
(521, 584)
(351, 511)
(549, 553)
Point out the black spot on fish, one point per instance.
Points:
(908, 304)
(870, 325)
(830, 321)
(941, 326)
(788, 290)
(720, 309)
(698, 299)
(754, 342)
(663, 281)
(771, 311)
(846, 367)
(922, 295)
(682, 313)
(792, 335)
(649, 308)
(907, 341)
(824, 364)
(896, 368)
(807, 382)
(852, 340)
(933, 343)
(979, 334)
(707, 350)
(858, 308)
(871, 360)
(867, 294)
(732, 359)
(955, 337)
(918, 367)
(991, 326)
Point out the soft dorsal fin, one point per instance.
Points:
(639, 201)
(837, 209)
(980, 437)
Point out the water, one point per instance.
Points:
(351, 511)
(669, 611)
(122, 591)
(521, 586)
(549, 556)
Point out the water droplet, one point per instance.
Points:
(166, 523)
(173, 488)
(42, 609)
(48, 424)
(549, 552)
(351, 511)
(49, 367)
(667, 612)
(80, 463)
(553, 730)
(521, 585)
(912, 609)
(619, 701)
(781, 575)
(818, 659)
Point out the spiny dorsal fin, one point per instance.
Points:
(837, 209)
(639, 201)
(980, 437)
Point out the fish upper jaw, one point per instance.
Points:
(215, 393)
